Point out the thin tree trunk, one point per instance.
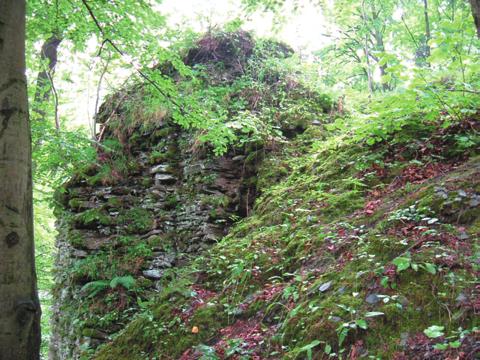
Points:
(428, 34)
(367, 52)
(379, 43)
(369, 70)
(19, 305)
(383, 68)
(48, 56)
(97, 99)
(476, 14)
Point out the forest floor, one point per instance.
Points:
(351, 251)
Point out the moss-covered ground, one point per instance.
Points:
(352, 251)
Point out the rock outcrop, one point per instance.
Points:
(170, 206)
(157, 196)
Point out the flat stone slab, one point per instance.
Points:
(153, 274)
(162, 168)
(164, 178)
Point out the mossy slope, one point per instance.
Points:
(351, 251)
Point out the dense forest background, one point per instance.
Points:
(383, 65)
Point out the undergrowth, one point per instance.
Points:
(353, 249)
(362, 241)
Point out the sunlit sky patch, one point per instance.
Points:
(305, 30)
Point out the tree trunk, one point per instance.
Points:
(476, 14)
(369, 70)
(379, 44)
(383, 68)
(48, 55)
(367, 52)
(428, 34)
(19, 305)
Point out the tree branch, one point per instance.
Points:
(119, 51)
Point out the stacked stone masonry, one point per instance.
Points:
(177, 205)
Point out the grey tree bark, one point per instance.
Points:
(476, 14)
(48, 57)
(19, 305)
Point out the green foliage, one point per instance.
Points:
(308, 348)
(58, 154)
(136, 220)
(45, 256)
(106, 264)
(309, 254)
(94, 287)
(127, 282)
(256, 104)
(434, 331)
(402, 263)
(413, 213)
(94, 217)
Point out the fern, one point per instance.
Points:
(128, 282)
(95, 287)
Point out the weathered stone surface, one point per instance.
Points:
(163, 261)
(154, 274)
(79, 253)
(176, 208)
(164, 178)
(325, 286)
(238, 158)
(161, 168)
(193, 169)
(373, 299)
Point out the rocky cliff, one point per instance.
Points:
(165, 210)
(155, 197)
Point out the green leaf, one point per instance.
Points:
(455, 344)
(402, 263)
(431, 268)
(434, 331)
(373, 313)
(386, 78)
(208, 352)
(440, 346)
(362, 324)
(371, 141)
(342, 335)
(308, 348)
(94, 287)
(310, 345)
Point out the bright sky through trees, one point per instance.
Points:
(305, 28)
(305, 31)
